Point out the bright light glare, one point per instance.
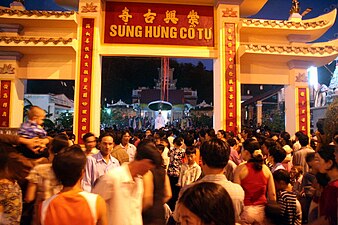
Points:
(313, 75)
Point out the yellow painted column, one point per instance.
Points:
(227, 108)
(88, 73)
(297, 102)
(12, 94)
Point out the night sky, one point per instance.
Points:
(273, 9)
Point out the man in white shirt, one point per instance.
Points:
(90, 142)
(99, 164)
(122, 189)
(159, 121)
(125, 145)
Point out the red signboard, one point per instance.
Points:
(302, 110)
(230, 77)
(4, 102)
(85, 77)
(165, 24)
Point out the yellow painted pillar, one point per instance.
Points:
(227, 108)
(12, 94)
(88, 73)
(297, 102)
(259, 107)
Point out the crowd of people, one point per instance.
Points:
(160, 177)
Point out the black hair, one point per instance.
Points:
(106, 134)
(217, 207)
(160, 147)
(215, 153)
(87, 135)
(285, 138)
(178, 141)
(251, 145)
(223, 133)
(68, 165)
(277, 153)
(303, 140)
(59, 142)
(4, 160)
(310, 157)
(232, 142)
(327, 153)
(189, 140)
(147, 150)
(282, 175)
(190, 150)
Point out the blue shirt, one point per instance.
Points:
(30, 129)
(95, 168)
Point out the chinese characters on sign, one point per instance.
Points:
(230, 77)
(144, 23)
(302, 110)
(4, 102)
(85, 76)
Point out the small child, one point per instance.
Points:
(296, 174)
(290, 206)
(190, 171)
(32, 128)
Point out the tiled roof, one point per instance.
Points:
(34, 40)
(30, 13)
(284, 24)
(304, 50)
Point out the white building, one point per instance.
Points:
(53, 104)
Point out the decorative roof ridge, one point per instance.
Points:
(27, 40)
(38, 13)
(285, 23)
(280, 49)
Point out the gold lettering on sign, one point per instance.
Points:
(125, 16)
(84, 128)
(84, 120)
(231, 124)
(231, 105)
(170, 16)
(7, 69)
(5, 95)
(193, 18)
(149, 17)
(5, 87)
(4, 114)
(4, 105)
(4, 123)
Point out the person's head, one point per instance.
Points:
(303, 140)
(146, 150)
(309, 158)
(221, 134)
(325, 158)
(69, 164)
(215, 153)
(296, 172)
(160, 148)
(148, 132)
(232, 142)
(210, 134)
(126, 135)
(206, 203)
(106, 143)
(282, 179)
(59, 142)
(251, 152)
(178, 142)
(267, 144)
(284, 138)
(191, 155)
(90, 141)
(298, 134)
(276, 154)
(36, 114)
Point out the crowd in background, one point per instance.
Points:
(167, 176)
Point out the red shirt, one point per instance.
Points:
(254, 185)
(328, 202)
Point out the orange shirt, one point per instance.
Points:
(69, 208)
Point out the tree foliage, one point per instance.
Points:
(274, 120)
(331, 120)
